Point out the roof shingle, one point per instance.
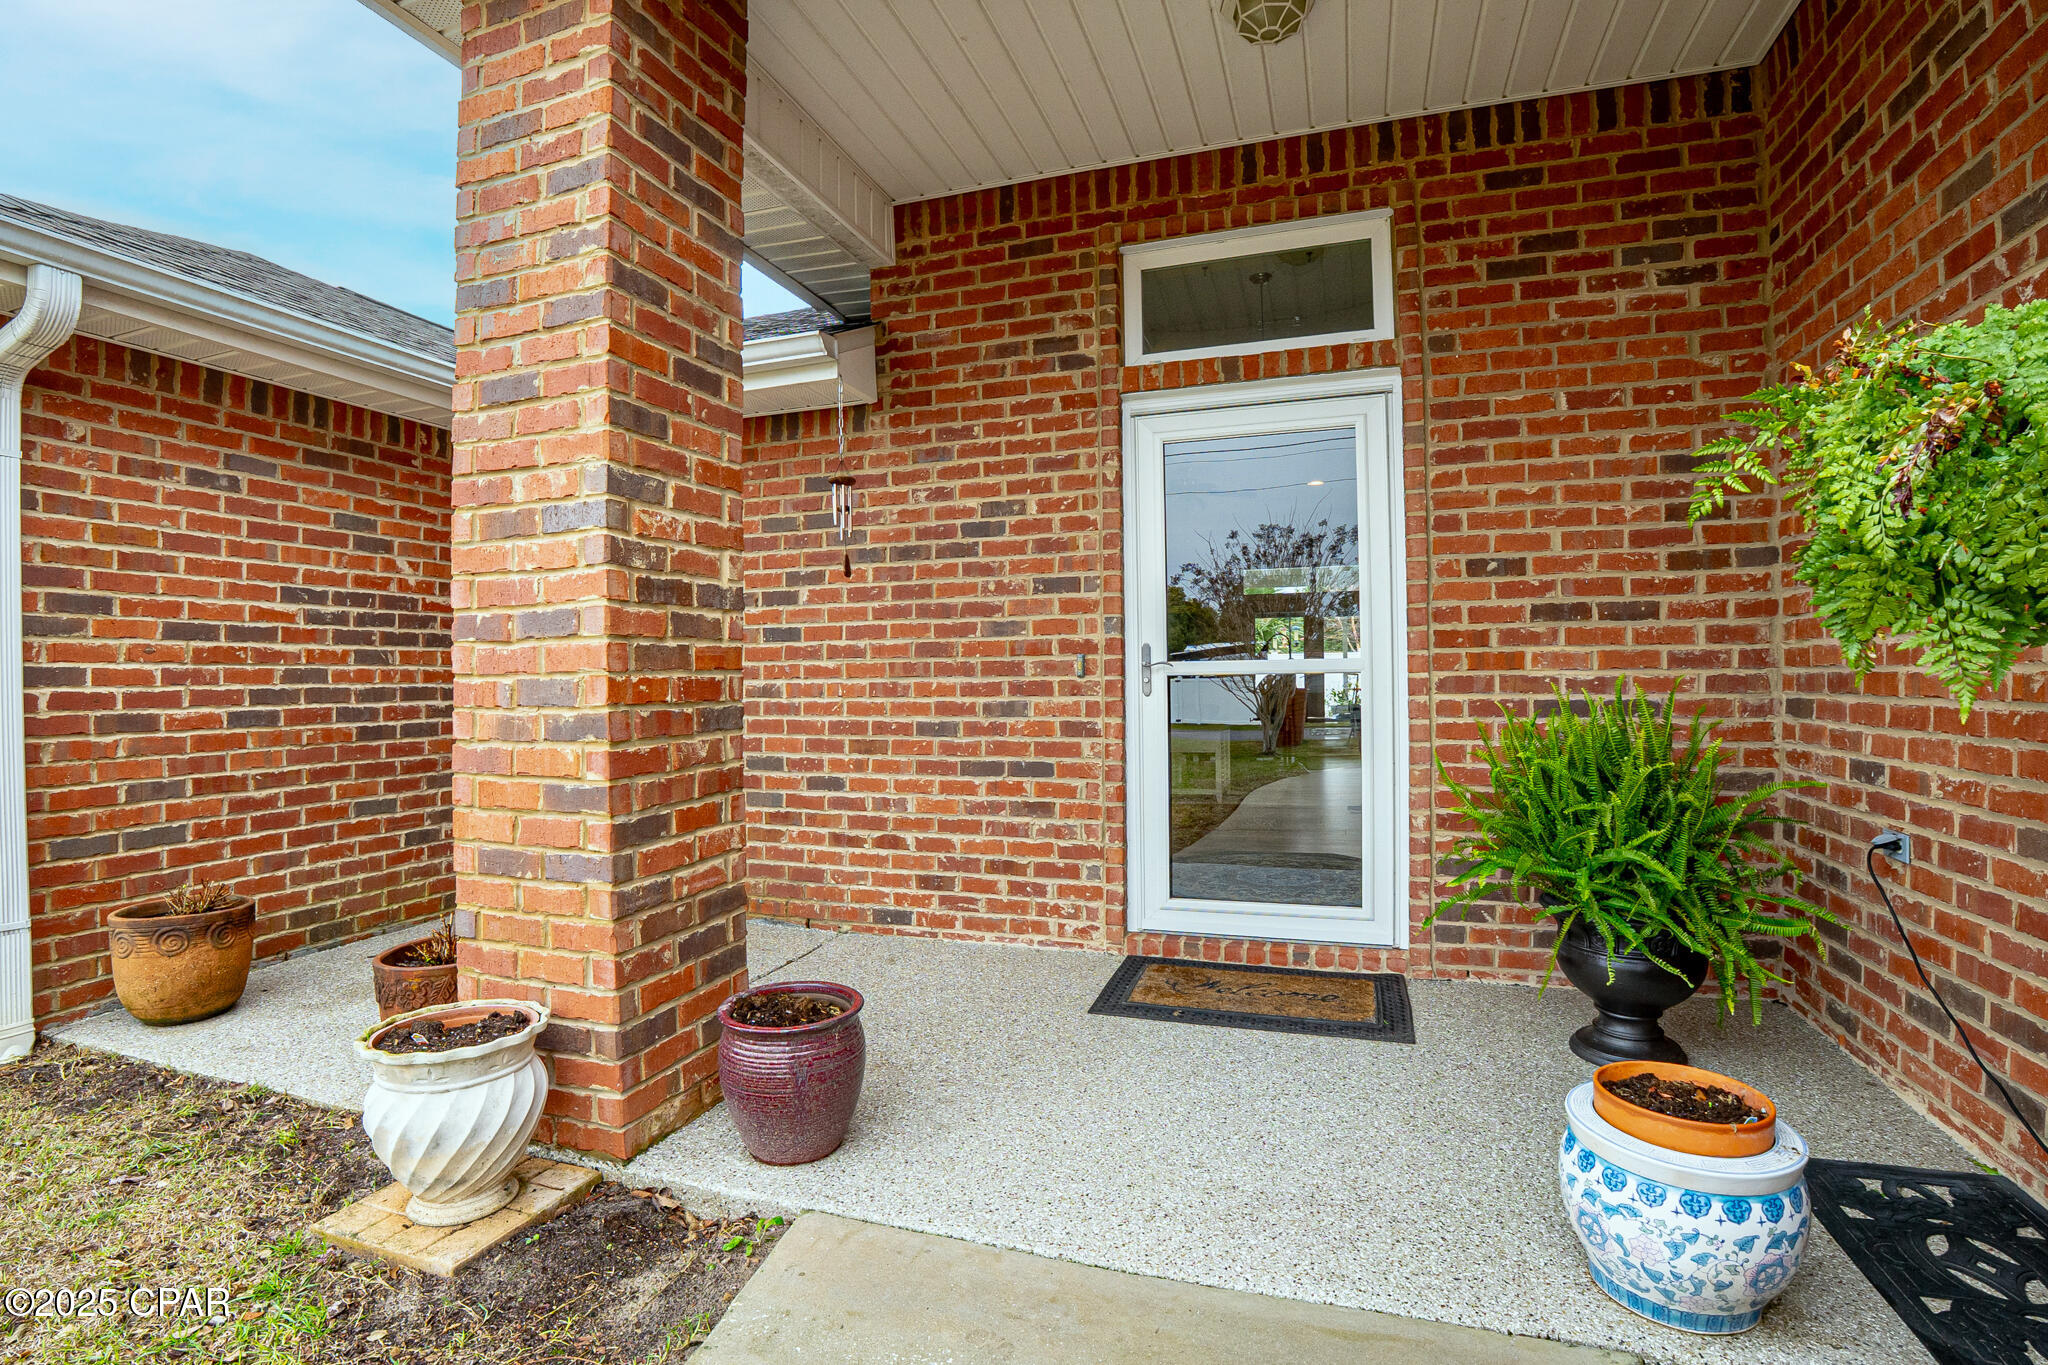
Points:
(796, 323)
(241, 273)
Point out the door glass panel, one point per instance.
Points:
(1262, 546)
(1266, 784)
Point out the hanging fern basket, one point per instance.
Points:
(1918, 458)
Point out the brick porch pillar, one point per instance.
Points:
(597, 536)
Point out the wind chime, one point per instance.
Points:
(842, 492)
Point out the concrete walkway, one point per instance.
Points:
(294, 1030)
(1416, 1180)
(838, 1292)
(1312, 812)
(1297, 840)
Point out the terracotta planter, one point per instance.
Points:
(402, 989)
(1686, 1135)
(792, 1091)
(172, 969)
(452, 1125)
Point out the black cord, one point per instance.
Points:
(1870, 865)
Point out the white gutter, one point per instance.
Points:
(48, 313)
(807, 370)
(153, 296)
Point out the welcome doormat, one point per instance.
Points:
(1283, 999)
(1961, 1258)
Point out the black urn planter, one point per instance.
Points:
(1626, 1029)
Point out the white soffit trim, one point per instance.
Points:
(788, 248)
(809, 172)
(135, 303)
(43, 320)
(939, 97)
(436, 23)
(802, 372)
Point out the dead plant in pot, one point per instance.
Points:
(1654, 876)
(184, 956)
(417, 973)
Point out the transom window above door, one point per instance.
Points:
(1321, 282)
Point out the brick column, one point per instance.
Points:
(597, 536)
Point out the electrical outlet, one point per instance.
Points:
(1895, 846)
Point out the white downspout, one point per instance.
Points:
(48, 313)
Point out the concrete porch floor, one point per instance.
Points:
(1415, 1180)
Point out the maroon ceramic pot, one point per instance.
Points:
(792, 1090)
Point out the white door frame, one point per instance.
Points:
(1371, 399)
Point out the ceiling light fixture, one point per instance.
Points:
(1266, 21)
(1315, 483)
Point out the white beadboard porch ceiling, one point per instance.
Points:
(933, 97)
(869, 102)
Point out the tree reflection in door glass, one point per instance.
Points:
(1262, 546)
(1266, 812)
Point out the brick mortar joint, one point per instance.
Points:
(518, 269)
(596, 121)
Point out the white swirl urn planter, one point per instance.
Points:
(452, 1125)
(1700, 1243)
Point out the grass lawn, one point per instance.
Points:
(117, 1175)
(1196, 812)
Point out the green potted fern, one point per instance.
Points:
(1655, 878)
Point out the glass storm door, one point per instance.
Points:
(1265, 683)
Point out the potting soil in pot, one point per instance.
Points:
(419, 955)
(1682, 1099)
(431, 1035)
(784, 1009)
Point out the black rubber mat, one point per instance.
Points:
(1282, 999)
(1961, 1257)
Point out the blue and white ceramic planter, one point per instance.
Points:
(1699, 1243)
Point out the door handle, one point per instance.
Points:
(1145, 670)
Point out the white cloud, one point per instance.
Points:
(310, 132)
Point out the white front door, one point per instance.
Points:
(1266, 700)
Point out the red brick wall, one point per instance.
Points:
(236, 613)
(1587, 273)
(1908, 150)
(598, 537)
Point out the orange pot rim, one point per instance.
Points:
(1693, 1136)
(145, 912)
(383, 959)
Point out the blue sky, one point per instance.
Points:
(311, 132)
